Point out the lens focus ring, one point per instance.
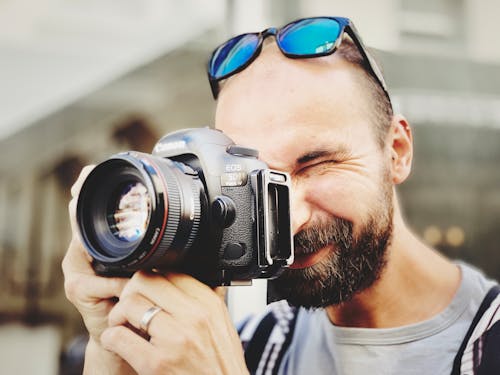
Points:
(183, 214)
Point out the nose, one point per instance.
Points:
(300, 209)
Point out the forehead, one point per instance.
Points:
(284, 107)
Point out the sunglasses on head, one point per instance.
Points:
(303, 38)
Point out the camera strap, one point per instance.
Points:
(266, 344)
(479, 352)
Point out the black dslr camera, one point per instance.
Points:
(199, 204)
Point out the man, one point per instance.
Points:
(385, 303)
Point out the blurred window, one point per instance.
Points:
(435, 27)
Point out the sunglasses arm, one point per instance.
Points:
(214, 86)
(353, 33)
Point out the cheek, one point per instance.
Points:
(349, 198)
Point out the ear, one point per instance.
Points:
(400, 144)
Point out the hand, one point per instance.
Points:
(192, 334)
(93, 296)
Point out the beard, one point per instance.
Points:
(354, 264)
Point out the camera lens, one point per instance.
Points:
(128, 216)
(139, 211)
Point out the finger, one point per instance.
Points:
(201, 292)
(132, 309)
(77, 259)
(72, 216)
(188, 312)
(76, 240)
(80, 280)
(162, 328)
(81, 288)
(75, 189)
(189, 285)
(160, 292)
(213, 301)
(75, 231)
(221, 291)
(134, 349)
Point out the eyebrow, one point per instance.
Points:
(339, 152)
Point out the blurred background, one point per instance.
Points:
(82, 79)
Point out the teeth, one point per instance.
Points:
(302, 251)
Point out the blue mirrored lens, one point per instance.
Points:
(232, 55)
(309, 37)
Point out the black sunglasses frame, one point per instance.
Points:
(346, 26)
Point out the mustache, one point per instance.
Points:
(320, 234)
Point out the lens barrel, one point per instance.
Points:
(139, 211)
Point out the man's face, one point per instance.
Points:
(310, 118)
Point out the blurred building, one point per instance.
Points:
(81, 80)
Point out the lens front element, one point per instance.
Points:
(129, 211)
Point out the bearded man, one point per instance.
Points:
(369, 296)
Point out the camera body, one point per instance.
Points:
(210, 209)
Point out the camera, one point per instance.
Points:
(199, 204)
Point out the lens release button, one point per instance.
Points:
(234, 251)
(223, 211)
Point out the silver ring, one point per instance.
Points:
(147, 317)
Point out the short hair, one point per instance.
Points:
(381, 108)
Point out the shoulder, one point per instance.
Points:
(475, 275)
(473, 289)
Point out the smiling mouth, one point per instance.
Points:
(310, 259)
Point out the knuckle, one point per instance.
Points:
(139, 281)
(116, 334)
(117, 285)
(115, 314)
(86, 170)
(201, 319)
(72, 288)
(64, 264)
(72, 206)
(131, 285)
(162, 364)
(129, 301)
(184, 341)
(188, 341)
(114, 282)
(138, 278)
(75, 189)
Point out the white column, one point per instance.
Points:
(248, 16)
(376, 21)
(482, 30)
(243, 301)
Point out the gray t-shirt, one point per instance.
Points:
(429, 347)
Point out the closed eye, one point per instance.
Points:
(319, 164)
(322, 158)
